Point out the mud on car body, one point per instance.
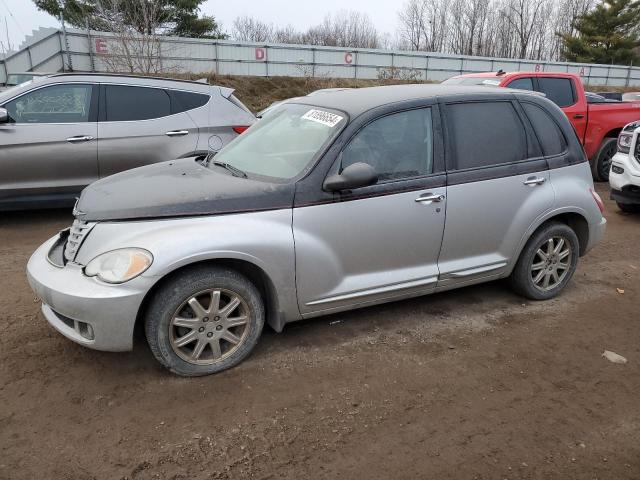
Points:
(330, 203)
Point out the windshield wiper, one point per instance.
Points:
(236, 172)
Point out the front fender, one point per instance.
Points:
(264, 239)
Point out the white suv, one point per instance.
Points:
(624, 177)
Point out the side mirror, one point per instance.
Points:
(4, 115)
(354, 176)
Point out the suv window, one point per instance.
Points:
(54, 104)
(124, 103)
(183, 101)
(485, 134)
(522, 83)
(558, 90)
(397, 146)
(551, 138)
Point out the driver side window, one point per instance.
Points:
(54, 104)
(397, 146)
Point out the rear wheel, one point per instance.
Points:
(628, 207)
(547, 262)
(602, 163)
(204, 320)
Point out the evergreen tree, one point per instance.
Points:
(608, 34)
(174, 17)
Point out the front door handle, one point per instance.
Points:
(532, 181)
(177, 133)
(578, 116)
(79, 139)
(430, 197)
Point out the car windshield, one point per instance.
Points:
(489, 81)
(284, 143)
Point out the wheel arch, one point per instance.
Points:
(575, 219)
(250, 270)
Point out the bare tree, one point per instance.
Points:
(133, 50)
(249, 29)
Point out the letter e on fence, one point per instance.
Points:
(260, 54)
(348, 58)
(101, 45)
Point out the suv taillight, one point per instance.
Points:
(597, 199)
(240, 129)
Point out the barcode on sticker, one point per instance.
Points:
(320, 116)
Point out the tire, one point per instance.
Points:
(183, 325)
(602, 163)
(524, 276)
(628, 207)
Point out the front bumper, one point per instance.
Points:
(624, 179)
(83, 309)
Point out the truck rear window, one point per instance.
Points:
(558, 90)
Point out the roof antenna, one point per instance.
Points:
(500, 72)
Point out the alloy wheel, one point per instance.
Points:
(209, 326)
(551, 263)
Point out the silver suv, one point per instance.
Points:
(62, 132)
(330, 203)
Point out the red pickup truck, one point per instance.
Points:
(597, 121)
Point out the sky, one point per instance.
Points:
(19, 17)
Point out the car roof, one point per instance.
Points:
(502, 74)
(134, 80)
(359, 100)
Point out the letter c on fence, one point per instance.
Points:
(101, 45)
(260, 54)
(348, 58)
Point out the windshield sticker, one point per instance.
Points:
(325, 118)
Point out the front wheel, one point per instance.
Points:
(547, 262)
(204, 320)
(602, 163)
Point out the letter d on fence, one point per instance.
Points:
(260, 54)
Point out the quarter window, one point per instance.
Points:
(125, 103)
(551, 138)
(54, 104)
(485, 134)
(558, 90)
(522, 84)
(397, 146)
(183, 101)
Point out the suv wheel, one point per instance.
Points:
(628, 207)
(602, 163)
(204, 320)
(547, 262)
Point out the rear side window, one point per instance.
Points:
(183, 101)
(522, 84)
(485, 134)
(124, 103)
(558, 90)
(551, 138)
(397, 146)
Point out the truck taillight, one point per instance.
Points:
(597, 199)
(240, 129)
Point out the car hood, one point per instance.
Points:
(178, 188)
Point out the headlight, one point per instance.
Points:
(624, 142)
(119, 266)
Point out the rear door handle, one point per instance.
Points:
(79, 139)
(177, 133)
(430, 197)
(531, 181)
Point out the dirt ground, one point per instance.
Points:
(471, 384)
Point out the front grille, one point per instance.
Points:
(77, 234)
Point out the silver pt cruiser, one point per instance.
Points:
(331, 203)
